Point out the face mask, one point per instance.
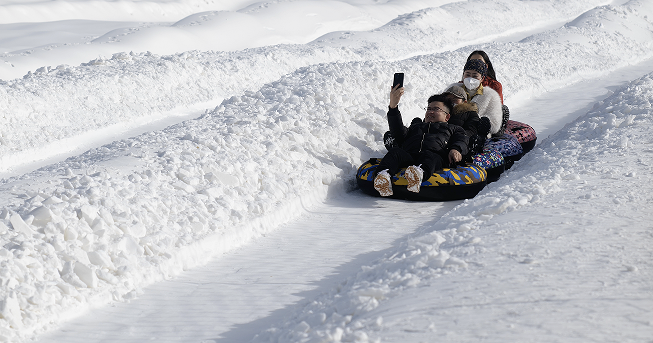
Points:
(471, 83)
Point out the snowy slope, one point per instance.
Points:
(101, 225)
(166, 27)
(46, 111)
(261, 283)
(557, 250)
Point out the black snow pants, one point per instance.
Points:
(398, 158)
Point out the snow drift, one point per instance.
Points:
(295, 124)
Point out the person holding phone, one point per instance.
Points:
(425, 146)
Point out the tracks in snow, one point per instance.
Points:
(247, 290)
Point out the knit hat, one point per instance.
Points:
(457, 91)
(476, 65)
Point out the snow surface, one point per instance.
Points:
(557, 250)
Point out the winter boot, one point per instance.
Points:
(383, 184)
(414, 175)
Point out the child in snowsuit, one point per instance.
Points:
(465, 115)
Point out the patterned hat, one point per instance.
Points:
(476, 65)
(457, 91)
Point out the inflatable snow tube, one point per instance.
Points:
(492, 161)
(461, 182)
(508, 146)
(523, 132)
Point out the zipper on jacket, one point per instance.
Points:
(421, 144)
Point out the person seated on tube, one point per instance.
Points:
(487, 99)
(490, 79)
(425, 146)
(465, 115)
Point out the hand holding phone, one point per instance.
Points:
(398, 80)
(397, 90)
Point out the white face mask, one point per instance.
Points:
(471, 83)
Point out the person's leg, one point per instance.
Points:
(426, 163)
(390, 165)
(394, 160)
(413, 176)
(430, 162)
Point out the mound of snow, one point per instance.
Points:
(100, 226)
(568, 256)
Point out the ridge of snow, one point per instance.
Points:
(606, 151)
(141, 10)
(99, 226)
(208, 27)
(53, 103)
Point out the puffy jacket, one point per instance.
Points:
(465, 115)
(420, 136)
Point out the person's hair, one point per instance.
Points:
(490, 68)
(443, 98)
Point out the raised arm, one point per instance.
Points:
(395, 122)
(395, 96)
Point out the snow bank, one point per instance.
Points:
(208, 27)
(99, 226)
(603, 156)
(54, 103)
(142, 10)
(48, 106)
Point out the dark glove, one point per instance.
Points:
(476, 144)
(504, 121)
(389, 141)
(484, 126)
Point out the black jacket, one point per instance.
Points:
(420, 136)
(465, 115)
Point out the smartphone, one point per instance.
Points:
(399, 80)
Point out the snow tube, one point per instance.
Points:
(492, 161)
(508, 146)
(461, 182)
(523, 132)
